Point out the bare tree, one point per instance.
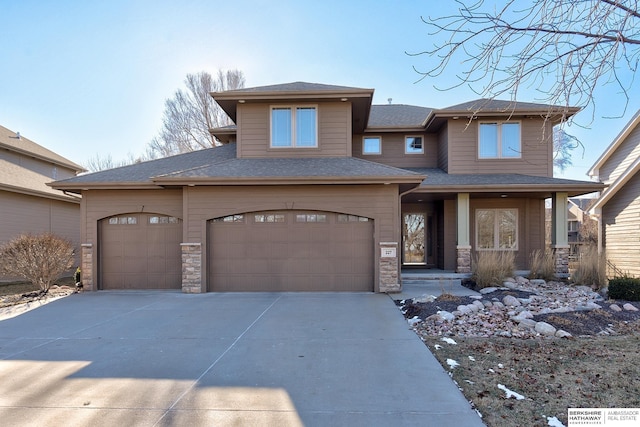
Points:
(564, 49)
(101, 162)
(40, 259)
(191, 112)
(563, 144)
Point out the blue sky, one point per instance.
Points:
(91, 77)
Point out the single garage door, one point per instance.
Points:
(291, 251)
(140, 251)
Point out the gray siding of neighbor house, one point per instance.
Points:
(536, 156)
(530, 224)
(621, 220)
(626, 153)
(443, 148)
(334, 131)
(378, 202)
(393, 150)
(42, 167)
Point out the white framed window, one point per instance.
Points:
(499, 140)
(294, 126)
(269, 217)
(371, 145)
(413, 145)
(230, 219)
(497, 229)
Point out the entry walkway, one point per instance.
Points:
(172, 359)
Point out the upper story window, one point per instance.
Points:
(294, 126)
(499, 140)
(413, 145)
(371, 145)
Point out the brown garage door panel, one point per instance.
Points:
(140, 253)
(291, 256)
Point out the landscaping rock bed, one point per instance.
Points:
(522, 308)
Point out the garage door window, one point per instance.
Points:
(123, 220)
(268, 218)
(156, 220)
(352, 218)
(311, 217)
(230, 218)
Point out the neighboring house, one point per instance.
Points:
(618, 207)
(577, 215)
(27, 204)
(317, 189)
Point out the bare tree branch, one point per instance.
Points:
(563, 49)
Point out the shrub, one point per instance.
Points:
(492, 267)
(624, 288)
(591, 269)
(542, 265)
(40, 259)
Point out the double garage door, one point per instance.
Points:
(257, 251)
(140, 251)
(290, 251)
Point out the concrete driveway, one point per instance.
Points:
(172, 359)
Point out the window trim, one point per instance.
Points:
(292, 108)
(499, 155)
(421, 145)
(496, 230)
(379, 152)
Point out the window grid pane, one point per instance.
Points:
(281, 127)
(371, 145)
(413, 144)
(510, 139)
(507, 229)
(485, 223)
(488, 140)
(306, 127)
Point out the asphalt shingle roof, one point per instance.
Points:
(398, 115)
(497, 105)
(297, 87)
(17, 179)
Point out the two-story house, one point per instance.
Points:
(317, 189)
(618, 206)
(27, 204)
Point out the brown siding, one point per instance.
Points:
(443, 148)
(334, 132)
(621, 219)
(28, 214)
(536, 158)
(530, 224)
(621, 158)
(393, 151)
(378, 202)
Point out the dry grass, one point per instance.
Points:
(492, 267)
(591, 269)
(542, 265)
(552, 374)
(22, 287)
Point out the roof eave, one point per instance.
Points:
(633, 123)
(31, 192)
(512, 188)
(293, 180)
(616, 185)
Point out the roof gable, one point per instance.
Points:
(617, 141)
(17, 179)
(296, 87)
(19, 144)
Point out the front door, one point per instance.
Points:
(417, 239)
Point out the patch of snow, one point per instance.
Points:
(449, 341)
(554, 422)
(414, 320)
(510, 393)
(452, 363)
(492, 371)
(469, 382)
(500, 365)
(473, 359)
(437, 346)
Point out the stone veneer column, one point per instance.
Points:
(191, 268)
(561, 259)
(389, 267)
(86, 266)
(463, 259)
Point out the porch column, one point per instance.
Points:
(191, 268)
(559, 236)
(389, 267)
(463, 248)
(86, 266)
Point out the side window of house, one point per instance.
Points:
(499, 140)
(371, 145)
(413, 145)
(497, 229)
(294, 126)
(123, 220)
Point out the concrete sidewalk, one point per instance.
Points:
(165, 359)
